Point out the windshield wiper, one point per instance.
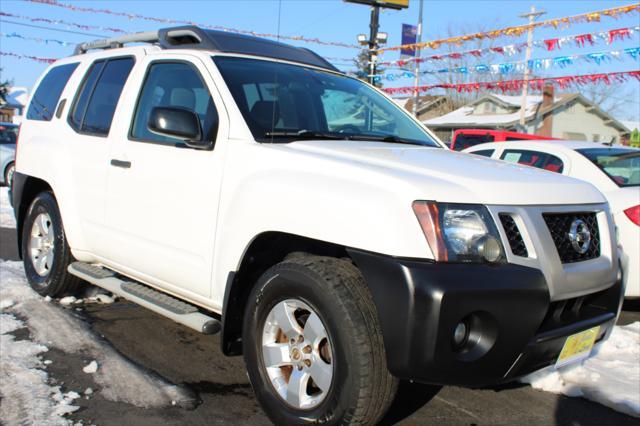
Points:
(387, 138)
(304, 134)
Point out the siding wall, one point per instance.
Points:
(575, 121)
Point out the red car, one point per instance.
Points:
(464, 138)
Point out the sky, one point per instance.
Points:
(329, 20)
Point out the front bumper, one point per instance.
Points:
(515, 328)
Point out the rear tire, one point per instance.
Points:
(45, 252)
(8, 174)
(326, 294)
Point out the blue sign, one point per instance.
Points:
(409, 36)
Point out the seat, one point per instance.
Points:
(266, 113)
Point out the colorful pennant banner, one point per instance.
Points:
(37, 39)
(517, 85)
(518, 30)
(135, 16)
(65, 23)
(506, 68)
(33, 58)
(579, 40)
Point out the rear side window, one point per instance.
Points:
(95, 105)
(541, 160)
(45, 99)
(483, 152)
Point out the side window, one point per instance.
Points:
(45, 99)
(174, 84)
(82, 99)
(541, 160)
(96, 103)
(483, 152)
(463, 141)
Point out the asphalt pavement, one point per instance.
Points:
(185, 357)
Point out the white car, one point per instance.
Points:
(615, 171)
(247, 187)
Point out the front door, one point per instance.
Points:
(162, 197)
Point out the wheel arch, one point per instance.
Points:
(264, 251)
(25, 189)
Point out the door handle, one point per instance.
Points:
(120, 163)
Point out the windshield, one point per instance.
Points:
(282, 102)
(621, 165)
(8, 134)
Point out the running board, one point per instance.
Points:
(147, 297)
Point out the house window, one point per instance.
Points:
(574, 136)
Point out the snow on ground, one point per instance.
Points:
(610, 377)
(27, 398)
(7, 220)
(22, 378)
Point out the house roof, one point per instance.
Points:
(17, 97)
(424, 102)
(464, 118)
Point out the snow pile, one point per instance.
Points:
(7, 220)
(610, 377)
(119, 378)
(91, 368)
(26, 395)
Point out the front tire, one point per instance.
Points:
(45, 252)
(313, 346)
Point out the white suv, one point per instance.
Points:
(246, 187)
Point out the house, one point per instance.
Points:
(633, 138)
(12, 109)
(429, 106)
(565, 116)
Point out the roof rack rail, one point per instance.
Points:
(192, 37)
(115, 42)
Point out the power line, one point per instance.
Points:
(52, 29)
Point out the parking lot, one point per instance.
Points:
(184, 357)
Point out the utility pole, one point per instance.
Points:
(373, 41)
(416, 94)
(525, 87)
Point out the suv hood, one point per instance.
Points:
(443, 175)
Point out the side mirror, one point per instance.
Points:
(178, 123)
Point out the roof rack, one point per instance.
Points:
(192, 37)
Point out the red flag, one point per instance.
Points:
(552, 43)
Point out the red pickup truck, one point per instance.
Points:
(464, 138)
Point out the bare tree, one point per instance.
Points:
(613, 98)
(4, 89)
(457, 99)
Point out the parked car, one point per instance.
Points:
(247, 187)
(465, 138)
(8, 137)
(615, 171)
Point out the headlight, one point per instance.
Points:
(459, 232)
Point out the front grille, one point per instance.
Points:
(513, 235)
(559, 225)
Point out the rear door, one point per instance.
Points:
(162, 196)
(88, 136)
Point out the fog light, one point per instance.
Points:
(489, 248)
(460, 335)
